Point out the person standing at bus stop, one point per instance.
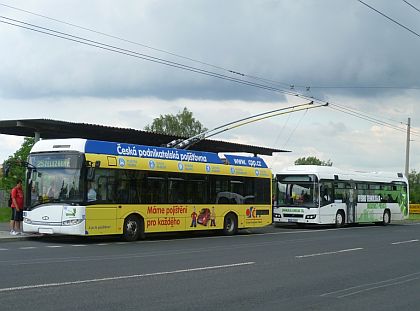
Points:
(17, 208)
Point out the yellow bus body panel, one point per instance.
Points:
(104, 219)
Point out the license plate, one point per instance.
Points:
(45, 230)
(292, 220)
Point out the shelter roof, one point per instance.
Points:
(51, 129)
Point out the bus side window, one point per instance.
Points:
(326, 193)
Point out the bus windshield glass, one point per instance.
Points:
(54, 178)
(297, 190)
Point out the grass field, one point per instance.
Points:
(414, 217)
(5, 213)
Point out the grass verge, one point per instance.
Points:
(5, 213)
(414, 217)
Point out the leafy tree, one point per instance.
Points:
(17, 170)
(312, 161)
(414, 184)
(181, 124)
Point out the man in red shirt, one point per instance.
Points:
(17, 208)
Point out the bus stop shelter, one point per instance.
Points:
(54, 129)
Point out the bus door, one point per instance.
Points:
(351, 202)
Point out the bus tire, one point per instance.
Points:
(386, 218)
(339, 219)
(230, 224)
(133, 228)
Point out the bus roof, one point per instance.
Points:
(330, 172)
(142, 151)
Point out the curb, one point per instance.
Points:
(6, 237)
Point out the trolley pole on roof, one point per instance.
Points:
(407, 150)
(186, 143)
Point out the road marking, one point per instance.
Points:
(19, 288)
(368, 286)
(403, 242)
(376, 287)
(79, 245)
(54, 246)
(254, 234)
(28, 247)
(331, 253)
(3, 249)
(102, 244)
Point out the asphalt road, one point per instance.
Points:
(356, 268)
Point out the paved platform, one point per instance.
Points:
(5, 233)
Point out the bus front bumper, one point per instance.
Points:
(78, 229)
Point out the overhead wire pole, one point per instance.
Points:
(407, 149)
(185, 144)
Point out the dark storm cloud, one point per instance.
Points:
(302, 43)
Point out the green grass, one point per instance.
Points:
(414, 217)
(5, 213)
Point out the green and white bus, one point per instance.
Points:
(309, 194)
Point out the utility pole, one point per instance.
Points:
(407, 149)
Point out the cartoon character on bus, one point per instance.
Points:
(193, 218)
(212, 218)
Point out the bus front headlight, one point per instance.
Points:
(72, 222)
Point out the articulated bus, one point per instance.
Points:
(307, 194)
(88, 187)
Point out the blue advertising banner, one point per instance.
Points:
(245, 161)
(140, 151)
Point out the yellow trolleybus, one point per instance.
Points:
(88, 187)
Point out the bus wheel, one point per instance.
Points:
(230, 225)
(133, 228)
(386, 219)
(339, 219)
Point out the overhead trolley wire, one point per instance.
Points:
(81, 40)
(117, 37)
(365, 115)
(372, 120)
(147, 46)
(415, 8)
(389, 18)
(175, 64)
(236, 72)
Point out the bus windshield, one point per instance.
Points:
(297, 190)
(54, 178)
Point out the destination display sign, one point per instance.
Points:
(54, 161)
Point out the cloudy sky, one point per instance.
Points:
(340, 51)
